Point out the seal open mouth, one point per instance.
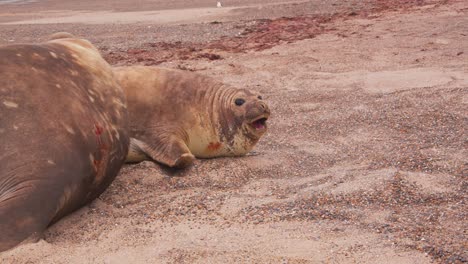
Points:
(259, 123)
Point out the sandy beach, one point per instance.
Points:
(365, 160)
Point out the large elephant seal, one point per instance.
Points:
(176, 116)
(63, 133)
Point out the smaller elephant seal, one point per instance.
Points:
(176, 116)
(63, 133)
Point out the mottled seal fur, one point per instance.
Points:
(63, 133)
(175, 116)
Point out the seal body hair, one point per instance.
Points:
(61, 35)
(176, 116)
(63, 129)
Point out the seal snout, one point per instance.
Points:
(260, 124)
(264, 106)
(259, 113)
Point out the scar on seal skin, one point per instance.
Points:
(176, 116)
(59, 150)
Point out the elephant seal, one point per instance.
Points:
(63, 129)
(176, 116)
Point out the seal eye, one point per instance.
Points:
(259, 97)
(239, 101)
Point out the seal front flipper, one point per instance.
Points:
(24, 211)
(135, 151)
(166, 149)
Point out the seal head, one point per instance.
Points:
(253, 111)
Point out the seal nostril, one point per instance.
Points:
(265, 108)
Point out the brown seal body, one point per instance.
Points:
(63, 133)
(175, 116)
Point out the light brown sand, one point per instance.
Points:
(365, 160)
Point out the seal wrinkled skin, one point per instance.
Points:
(63, 130)
(176, 116)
